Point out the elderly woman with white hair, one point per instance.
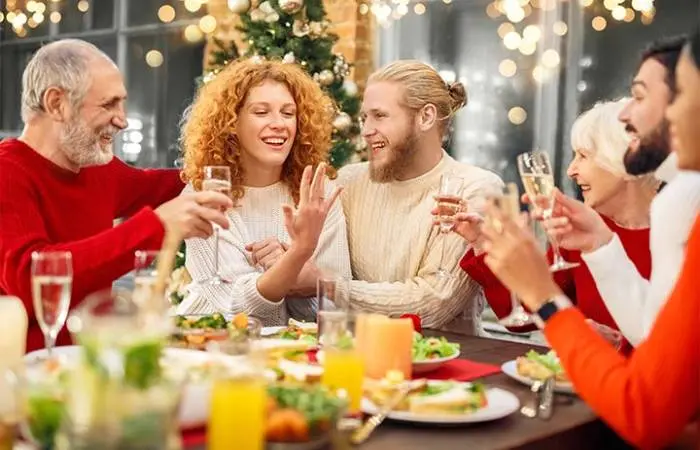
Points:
(599, 142)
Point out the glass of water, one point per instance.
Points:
(52, 279)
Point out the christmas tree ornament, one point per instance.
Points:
(316, 28)
(326, 77)
(239, 6)
(272, 18)
(350, 88)
(341, 67)
(257, 59)
(256, 15)
(300, 28)
(291, 6)
(359, 143)
(342, 122)
(266, 8)
(289, 58)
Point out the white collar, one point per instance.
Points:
(668, 169)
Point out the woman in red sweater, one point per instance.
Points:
(599, 142)
(652, 396)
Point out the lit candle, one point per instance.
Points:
(13, 338)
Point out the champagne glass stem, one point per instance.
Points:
(216, 252)
(49, 342)
(441, 271)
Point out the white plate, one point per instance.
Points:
(429, 365)
(510, 369)
(501, 403)
(194, 407)
(271, 331)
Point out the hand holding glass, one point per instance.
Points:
(538, 179)
(449, 203)
(508, 205)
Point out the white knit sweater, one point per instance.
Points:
(258, 216)
(395, 250)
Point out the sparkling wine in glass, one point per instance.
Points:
(538, 179)
(52, 279)
(217, 179)
(508, 204)
(145, 276)
(449, 203)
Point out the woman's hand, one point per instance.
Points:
(516, 259)
(574, 225)
(305, 224)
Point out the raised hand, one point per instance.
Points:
(305, 224)
(575, 225)
(466, 224)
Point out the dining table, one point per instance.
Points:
(573, 424)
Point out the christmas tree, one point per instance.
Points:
(297, 32)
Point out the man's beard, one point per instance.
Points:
(82, 145)
(399, 158)
(652, 151)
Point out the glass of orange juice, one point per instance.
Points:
(238, 402)
(343, 366)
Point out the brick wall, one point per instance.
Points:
(356, 32)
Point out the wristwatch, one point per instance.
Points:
(549, 308)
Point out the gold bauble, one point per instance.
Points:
(326, 77)
(239, 6)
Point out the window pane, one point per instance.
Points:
(13, 60)
(144, 12)
(158, 96)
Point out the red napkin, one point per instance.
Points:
(416, 321)
(194, 437)
(461, 370)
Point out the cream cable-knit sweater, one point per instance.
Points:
(395, 250)
(259, 216)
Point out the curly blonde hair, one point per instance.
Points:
(208, 133)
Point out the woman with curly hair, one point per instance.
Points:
(269, 122)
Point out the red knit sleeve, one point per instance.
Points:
(136, 188)
(97, 260)
(495, 292)
(649, 398)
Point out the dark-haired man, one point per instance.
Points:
(631, 300)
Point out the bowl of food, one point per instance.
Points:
(301, 417)
(429, 353)
(197, 331)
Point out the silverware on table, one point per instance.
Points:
(361, 435)
(542, 403)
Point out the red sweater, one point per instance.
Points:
(649, 398)
(577, 283)
(44, 207)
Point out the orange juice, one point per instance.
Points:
(344, 369)
(391, 341)
(237, 418)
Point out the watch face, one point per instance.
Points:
(547, 310)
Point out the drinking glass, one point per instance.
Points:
(332, 295)
(52, 279)
(508, 204)
(217, 179)
(449, 202)
(238, 401)
(538, 179)
(145, 275)
(343, 365)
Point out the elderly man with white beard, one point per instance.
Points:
(61, 187)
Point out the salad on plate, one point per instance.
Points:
(428, 348)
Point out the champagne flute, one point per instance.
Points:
(217, 179)
(145, 275)
(508, 204)
(52, 279)
(538, 179)
(449, 203)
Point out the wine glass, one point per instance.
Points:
(145, 276)
(217, 179)
(449, 202)
(52, 279)
(538, 179)
(508, 205)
